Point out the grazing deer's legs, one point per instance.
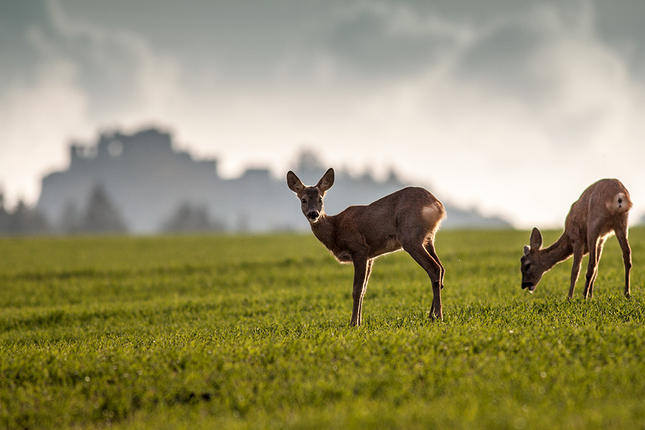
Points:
(430, 248)
(591, 265)
(591, 269)
(621, 235)
(575, 269)
(362, 270)
(434, 271)
(601, 244)
(595, 250)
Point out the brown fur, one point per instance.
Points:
(406, 219)
(601, 210)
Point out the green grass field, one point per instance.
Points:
(253, 332)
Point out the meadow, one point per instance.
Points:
(252, 332)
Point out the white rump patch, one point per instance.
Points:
(433, 213)
(620, 204)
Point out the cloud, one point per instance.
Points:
(117, 67)
(527, 101)
(515, 110)
(34, 118)
(85, 78)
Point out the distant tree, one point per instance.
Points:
(393, 178)
(308, 160)
(243, 224)
(191, 219)
(4, 216)
(22, 221)
(72, 220)
(101, 215)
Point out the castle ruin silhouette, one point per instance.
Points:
(148, 182)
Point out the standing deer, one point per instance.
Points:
(601, 210)
(408, 219)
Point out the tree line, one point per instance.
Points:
(100, 216)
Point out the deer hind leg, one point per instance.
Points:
(430, 248)
(434, 270)
(575, 269)
(621, 235)
(362, 271)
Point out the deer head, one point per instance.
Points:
(311, 198)
(533, 264)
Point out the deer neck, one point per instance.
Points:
(324, 230)
(559, 251)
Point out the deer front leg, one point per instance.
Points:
(360, 302)
(595, 249)
(601, 243)
(575, 269)
(591, 268)
(362, 269)
(621, 235)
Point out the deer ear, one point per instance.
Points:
(326, 181)
(536, 239)
(526, 249)
(294, 183)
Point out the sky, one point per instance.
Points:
(512, 107)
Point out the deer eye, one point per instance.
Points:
(528, 266)
(320, 200)
(303, 200)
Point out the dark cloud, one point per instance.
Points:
(503, 60)
(366, 43)
(270, 43)
(620, 24)
(35, 34)
(17, 19)
(371, 81)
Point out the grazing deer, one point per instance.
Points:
(601, 210)
(408, 219)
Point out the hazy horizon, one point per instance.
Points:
(510, 107)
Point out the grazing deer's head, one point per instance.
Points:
(600, 210)
(532, 262)
(311, 198)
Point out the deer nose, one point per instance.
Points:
(526, 285)
(313, 215)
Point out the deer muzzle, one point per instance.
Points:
(529, 285)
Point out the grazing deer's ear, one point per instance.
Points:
(526, 249)
(294, 183)
(326, 181)
(536, 239)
